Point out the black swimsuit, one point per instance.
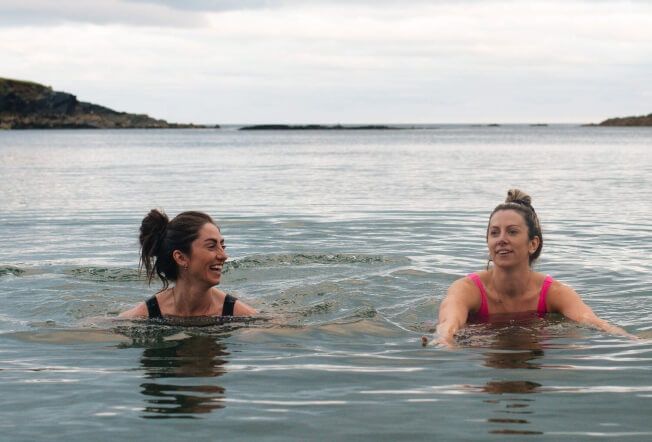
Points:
(154, 310)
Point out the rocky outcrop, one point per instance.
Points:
(27, 105)
(644, 120)
(313, 127)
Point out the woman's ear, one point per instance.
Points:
(534, 244)
(180, 258)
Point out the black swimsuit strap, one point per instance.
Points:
(228, 306)
(153, 309)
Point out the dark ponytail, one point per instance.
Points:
(160, 237)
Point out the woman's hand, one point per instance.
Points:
(444, 336)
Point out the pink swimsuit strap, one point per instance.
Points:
(542, 309)
(484, 305)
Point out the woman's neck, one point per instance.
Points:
(190, 299)
(511, 282)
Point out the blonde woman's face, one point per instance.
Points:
(508, 239)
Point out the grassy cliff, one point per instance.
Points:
(27, 105)
(644, 120)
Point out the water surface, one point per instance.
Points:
(346, 241)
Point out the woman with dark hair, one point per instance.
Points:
(189, 251)
(514, 239)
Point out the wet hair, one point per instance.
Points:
(160, 237)
(520, 202)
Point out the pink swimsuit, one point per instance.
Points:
(483, 312)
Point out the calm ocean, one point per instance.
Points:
(346, 241)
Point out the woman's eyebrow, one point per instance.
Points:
(507, 227)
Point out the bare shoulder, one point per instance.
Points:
(562, 297)
(219, 295)
(559, 289)
(464, 291)
(239, 309)
(462, 286)
(460, 299)
(139, 311)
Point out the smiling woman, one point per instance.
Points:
(510, 286)
(190, 251)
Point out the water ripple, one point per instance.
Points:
(324, 367)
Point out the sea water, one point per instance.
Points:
(346, 241)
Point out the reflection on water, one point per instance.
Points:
(503, 387)
(511, 410)
(516, 345)
(197, 360)
(514, 359)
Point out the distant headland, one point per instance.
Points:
(314, 127)
(643, 120)
(27, 105)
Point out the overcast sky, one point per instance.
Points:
(382, 61)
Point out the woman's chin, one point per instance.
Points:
(506, 262)
(213, 279)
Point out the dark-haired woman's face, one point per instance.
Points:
(208, 255)
(508, 239)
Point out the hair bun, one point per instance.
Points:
(519, 197)
(152, 229)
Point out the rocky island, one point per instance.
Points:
(27, 105)
(644, 120)
(314, 127)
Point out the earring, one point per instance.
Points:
(185, 267)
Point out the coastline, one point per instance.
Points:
(28, 105)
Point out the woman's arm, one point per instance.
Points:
(454, 311)
(565, 300)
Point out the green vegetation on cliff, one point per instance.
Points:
(27, 105)
(643, 120)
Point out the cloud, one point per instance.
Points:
(334, 62)
(212, 5)
(188, 13)
(100, 12)
(163, 13)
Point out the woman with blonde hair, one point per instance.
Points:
(510, 285)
